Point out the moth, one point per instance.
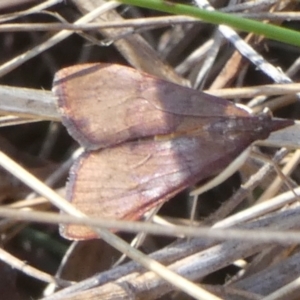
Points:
(145, 139)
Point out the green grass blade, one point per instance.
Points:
(270, 31)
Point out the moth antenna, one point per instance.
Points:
(193, 210)
(245, 107)
(267, 111)
(218, 179)
(222, 176)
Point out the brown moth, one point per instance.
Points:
(145, 139)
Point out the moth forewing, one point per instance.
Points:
(114, 104)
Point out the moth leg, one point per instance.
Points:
(282, 177)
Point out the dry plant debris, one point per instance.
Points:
(41, 37)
